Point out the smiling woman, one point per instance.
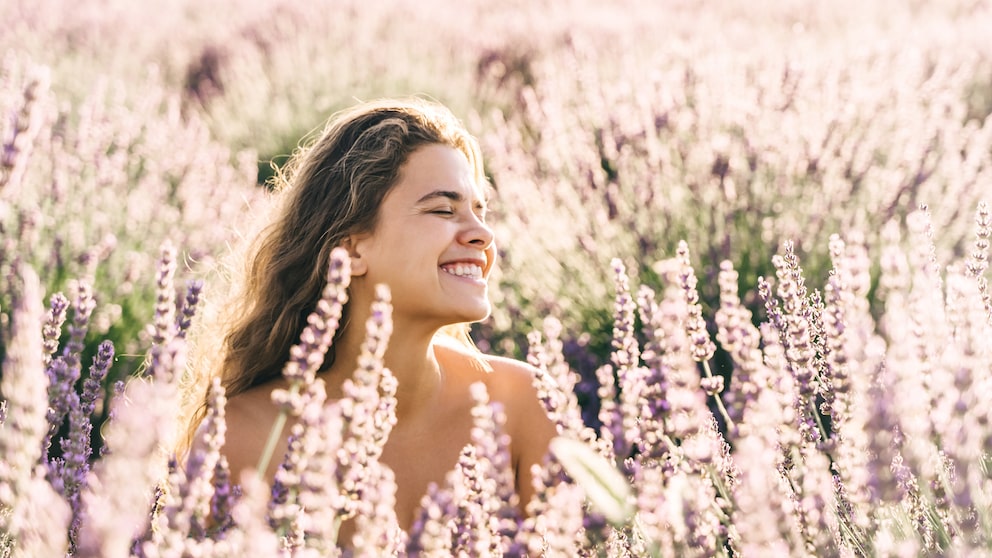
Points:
(399, 185)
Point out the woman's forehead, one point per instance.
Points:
(440, 171)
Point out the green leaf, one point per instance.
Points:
(605, 487)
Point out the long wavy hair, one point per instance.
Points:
(331, 188)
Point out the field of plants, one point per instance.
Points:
(745, 244)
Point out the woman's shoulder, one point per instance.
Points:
(250, 415)
(500, 374)
(509, 377)
(510, 383)
(253, 402)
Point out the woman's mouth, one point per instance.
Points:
(467, 270)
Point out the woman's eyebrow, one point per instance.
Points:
(447, 194)
(452, 195)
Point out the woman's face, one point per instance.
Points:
(431, 244)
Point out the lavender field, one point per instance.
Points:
(746, 246)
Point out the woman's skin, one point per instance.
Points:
(433, 248)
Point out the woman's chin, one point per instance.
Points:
(476, 314)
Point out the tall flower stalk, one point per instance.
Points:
(306, 356)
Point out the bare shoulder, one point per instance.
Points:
(510, 378)
(249, 416)
(510, 383)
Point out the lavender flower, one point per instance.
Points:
(308, 508)
(817, 508)
(250, 535)
(432, 531)
(69, 474)
(489, 472)
(764, 514)
(16, 148)
(631, 377)
(185, 316)
(626, 353)
(53, 325)
(163, 326)
(64, 370)
(368, 414)
(741, 339)
(686, 422)
(92, 392)
(692, 515)
(306, 357)
(118, 391)
(652, 407)
(74, 464)
(555, 515)
(164, 352)
(555, 381)
(114, 513)
(978, 261)
(797, 338)
(882, 487)
(377, 532)
(702, 348)
(32, 516)
(610, 416)
(472, 492)
(182, 522)
(285, 515)
(226, 496)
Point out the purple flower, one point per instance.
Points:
(741, 339)
(35, 518)
(306, 356)
(250, 535)
(182, 522)
(797, 323)
(610, 417)
(188, 310)
(555, 515)
(225, 498)
(555, 381)
(488, 473)
(702, 347)
(64, 370)
(431, 533)
(114, 512)
(377, 532)
(163, 324)
(306, 502)
(647, 402)
(368, 409)
(53, 324)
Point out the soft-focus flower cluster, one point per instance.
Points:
(838, 434)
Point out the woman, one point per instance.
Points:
(400, 186)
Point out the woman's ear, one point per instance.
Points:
(355, 245)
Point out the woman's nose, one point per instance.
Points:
(478, 233)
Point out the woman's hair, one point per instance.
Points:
(330, 189)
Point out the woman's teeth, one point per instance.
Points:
(464, 270)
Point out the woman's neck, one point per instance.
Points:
(410, 357)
